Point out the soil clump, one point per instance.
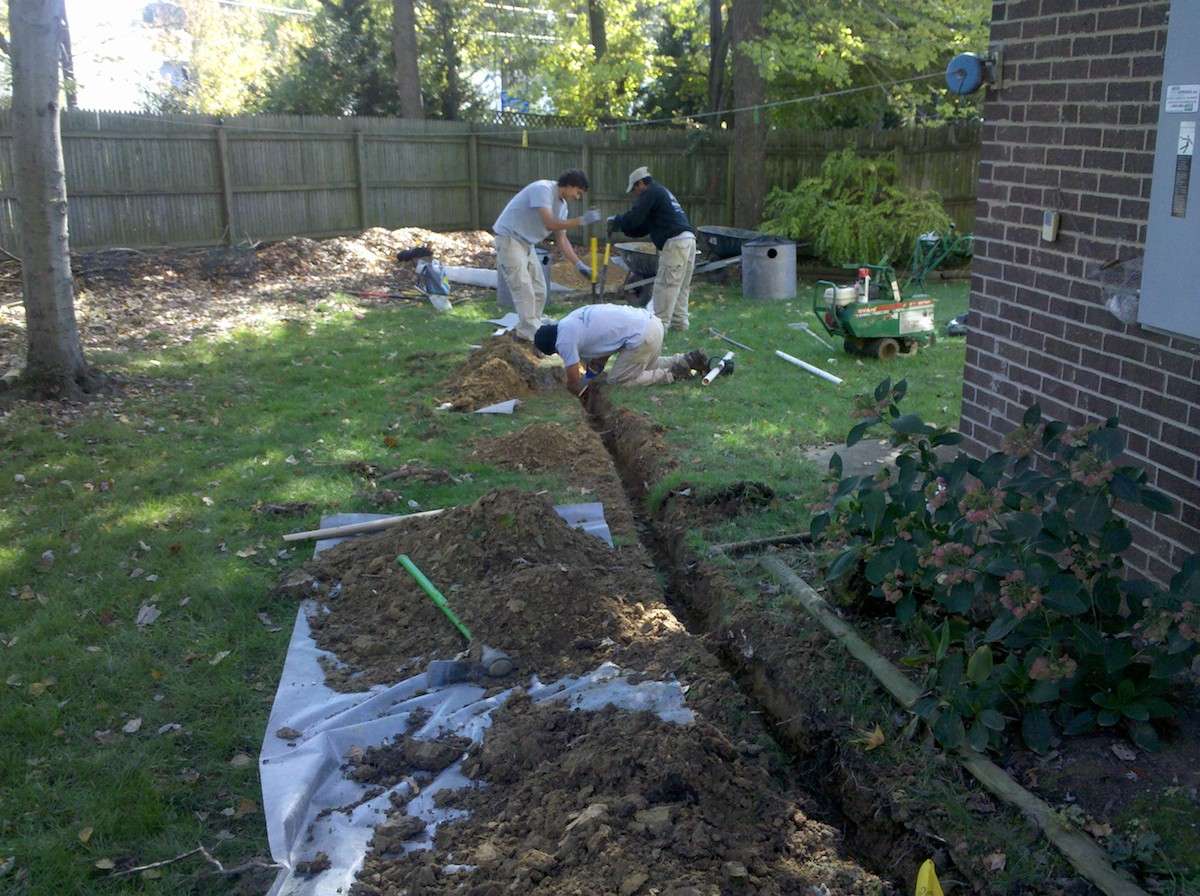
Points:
(501, 368)
(576, 452)
(621, 802)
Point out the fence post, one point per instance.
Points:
(473, 167)
(360, 155)
(226, 185)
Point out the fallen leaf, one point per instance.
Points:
(241, 760)
(871, 740)
(228, 811)
(290, 459)
(133, 726)
(189, 776)
(169, 727)
(184, 601)
(1123, 753)
(208, 502)
(152, 578)
(1098, 829)
(105, 864)
(247, 552)
(995, 861)
(246, 807)
(147, 614)
(174, 548)
(217, 657)
(152, 873)
(46, 560)
(105, 737)
(136, 572)
(85, 835)
(390, 441)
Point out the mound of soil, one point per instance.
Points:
(618, 802)
(501, 368)
(513, 571)
(576, 452)
(735, 498)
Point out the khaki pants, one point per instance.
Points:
(643, 366)
(519, 266)
(673, 282)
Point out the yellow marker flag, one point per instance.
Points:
(927, 882)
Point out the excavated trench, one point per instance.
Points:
(764, 659)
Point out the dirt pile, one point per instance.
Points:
(618, 802)
(559, 600)
(503, 367)
(576, 452)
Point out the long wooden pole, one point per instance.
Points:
(1080, 850)
(355, 528)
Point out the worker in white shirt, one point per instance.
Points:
(533, 214)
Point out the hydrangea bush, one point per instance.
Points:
(1008, 572)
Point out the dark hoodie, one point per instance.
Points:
(657, 214)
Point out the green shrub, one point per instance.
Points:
(1010, 578)
(854, 212)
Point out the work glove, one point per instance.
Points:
(591, 216)
(583, 269)
(612, 223)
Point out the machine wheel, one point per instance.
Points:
(852, 345)
(885, 349)
(909, 347)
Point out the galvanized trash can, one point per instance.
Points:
(769, 268)
(504, 295)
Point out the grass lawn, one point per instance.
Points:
(131, 743)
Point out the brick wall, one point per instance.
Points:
(1073, 129)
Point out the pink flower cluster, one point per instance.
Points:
(1077, 437)
(952, 559)
(1018, 596)
(1044, 669)
(893, 587)
(1090, 470)
(1023, 440)
(979, 505)
(936, 494)
(1155, 629)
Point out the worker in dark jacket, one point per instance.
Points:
(657, 213)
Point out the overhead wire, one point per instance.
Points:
(604, 126)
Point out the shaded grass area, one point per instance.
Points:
(150, 501)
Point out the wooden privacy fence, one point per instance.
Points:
(190, 180)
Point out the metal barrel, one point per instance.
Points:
(769, 269)
(504, 294)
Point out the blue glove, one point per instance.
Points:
(591, 216)
(583, 269)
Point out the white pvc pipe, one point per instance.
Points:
(823, 374)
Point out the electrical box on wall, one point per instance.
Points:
(1170, 296)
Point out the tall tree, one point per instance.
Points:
(54, 365)
(452, 93)
(596, 30)
(718, 52)
(749, 125)
(404, 48)
(67, 59)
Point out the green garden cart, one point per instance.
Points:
(871, 316)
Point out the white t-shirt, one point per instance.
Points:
(595, 331)
(521, 218)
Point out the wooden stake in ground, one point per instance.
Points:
(1080, 850)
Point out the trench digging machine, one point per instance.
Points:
(872, 317)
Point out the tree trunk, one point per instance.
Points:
(68, 62)
(404, 48)
(597, 31)
(718, 52)
(54, 367)
(750, 127)
(452, 97)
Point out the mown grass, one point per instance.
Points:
(150, 500)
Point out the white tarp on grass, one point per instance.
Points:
(304, 788)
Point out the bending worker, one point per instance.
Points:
(592, 333)
(529, 217)
(658, 214)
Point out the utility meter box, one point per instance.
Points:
(1170, 291)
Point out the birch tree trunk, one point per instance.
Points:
(54, 366)
(750, 127)
(404, 48)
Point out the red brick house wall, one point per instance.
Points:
(1073, 128)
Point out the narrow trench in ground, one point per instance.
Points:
(874, 840)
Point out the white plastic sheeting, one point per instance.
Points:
(302, 780)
